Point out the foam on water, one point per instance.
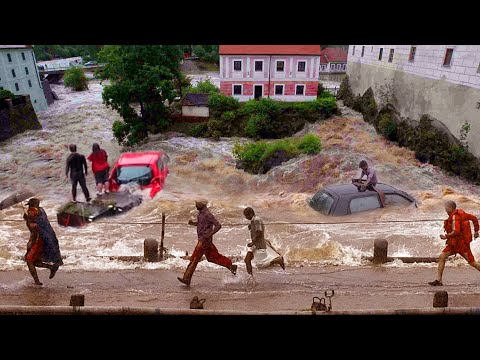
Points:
(35, 161)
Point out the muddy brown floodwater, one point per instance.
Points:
(313, 245)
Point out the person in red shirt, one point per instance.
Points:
(458, 236)
(207, 226)
(100, 168)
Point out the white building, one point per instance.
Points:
(333, 60)
(19, 74)
(279, 72)
(61, 63)
(442, 81)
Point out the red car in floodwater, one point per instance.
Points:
(148, 169)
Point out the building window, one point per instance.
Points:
(299, 89)
(301, 66)
(237, 65)
(447, 61)
(363, 50)
(16, 87)
(339, 66)
(280, 66)
(353, 51)
(9, 58)
(13, 73)
(344, 67)
(23, 56)
(26, 70)
(390, 57)
(411, 57)
(279, 89)
(237, 89)
(258, 65)
(380, 53)
(324, 67)
(332, 67)
(29, 83)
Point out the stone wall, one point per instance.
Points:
(17, 116)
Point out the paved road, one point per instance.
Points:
(356, 288)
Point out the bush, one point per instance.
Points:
(205, 86)
(199, 130)
(6, 94)
(326, 94)
(76, 79)
(310, 144)
(219, 103)
(264, 106)
(387, 127)
(320, 89)
(250, 155)
(345, 92)
(254, 124)
(261, 156)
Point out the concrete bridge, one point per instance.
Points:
(55, 72)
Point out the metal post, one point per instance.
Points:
(163, 235)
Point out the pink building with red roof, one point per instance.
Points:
(333, 60)
(279, 72)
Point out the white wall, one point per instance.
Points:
(428, 61)
(8, 81)
(201, 111)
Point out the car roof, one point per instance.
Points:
(140, 158)
(350, 189)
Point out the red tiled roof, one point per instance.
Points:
(333, 54)
(269, 50)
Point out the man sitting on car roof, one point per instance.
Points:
(371, 181)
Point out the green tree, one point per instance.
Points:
(142, 78)
(49, 52)
(76, 79)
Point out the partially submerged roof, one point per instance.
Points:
(198, 99)
(269, 50)
(141, 158)
(350, 189)
(333, 55)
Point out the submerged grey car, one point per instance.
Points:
(346, 199)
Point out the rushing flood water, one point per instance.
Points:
(35, 160)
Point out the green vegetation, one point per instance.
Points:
(387, 126)
(207, 53)
(76, 79)
(261, 156)
(6, 94)
(432, 143)
(146, 76)
(50, 52)
(262, 119)
(205, 86)
(345, 92)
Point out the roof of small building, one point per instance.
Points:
(269, 50)
(333, 55)
(198, 99)
(16, 47)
